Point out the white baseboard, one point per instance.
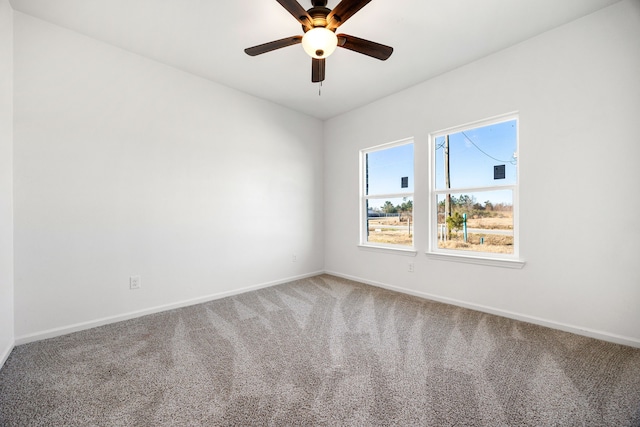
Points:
(55, 332)
(604, 336)
(5, 354)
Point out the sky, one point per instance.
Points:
(386, 169)
(473, 154)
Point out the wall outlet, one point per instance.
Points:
(411, 267)
(294, 258)
(135, 282)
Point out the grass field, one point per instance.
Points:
(380, 231)
(394, 237)
(483, 242)
(504, 222)
(492, 243)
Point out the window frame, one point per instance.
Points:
(364, 197)
(485, 258)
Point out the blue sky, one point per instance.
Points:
(386, 169)
(473, 154)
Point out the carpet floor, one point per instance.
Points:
(321, 351)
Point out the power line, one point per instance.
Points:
(513, 162)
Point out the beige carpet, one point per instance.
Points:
(321, 351)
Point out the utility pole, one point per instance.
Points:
(447, 184)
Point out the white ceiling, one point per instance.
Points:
(207, 38)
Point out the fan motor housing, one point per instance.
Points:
(318, 15)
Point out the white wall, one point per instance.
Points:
(125, 166)
(578, 95)
(6, 180)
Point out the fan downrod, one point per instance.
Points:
(318, 13)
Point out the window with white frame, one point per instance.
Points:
(387, 195)
(474, 190)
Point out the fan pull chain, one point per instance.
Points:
(320, 89)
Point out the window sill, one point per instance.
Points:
(494, 262)
(389, 250)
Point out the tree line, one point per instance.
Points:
(463, 204)
(389, 208)
(468, 204)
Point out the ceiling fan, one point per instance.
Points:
(319, 40)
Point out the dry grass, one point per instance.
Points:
(394, 220)
(393, 237)
(497, 223)
(492, 243)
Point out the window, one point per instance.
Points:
(474, 191)
(387, 195)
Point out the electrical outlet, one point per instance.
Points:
(294, 258)
(411, 267)
(135, 282)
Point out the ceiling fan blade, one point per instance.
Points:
(317, 70)
(298, 12)
(366, 47)
(268, 47)
(343, 11)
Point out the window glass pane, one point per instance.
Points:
(481, 157)
(390, 221)
(385, 170)
(488, 226)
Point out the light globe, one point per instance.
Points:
(319, 42)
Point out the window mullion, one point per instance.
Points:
(388, 196)
(474, 189)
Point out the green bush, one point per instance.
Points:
(455, 221)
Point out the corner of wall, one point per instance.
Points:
(7, 330)
(5, 355)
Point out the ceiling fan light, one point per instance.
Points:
(319, 42)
